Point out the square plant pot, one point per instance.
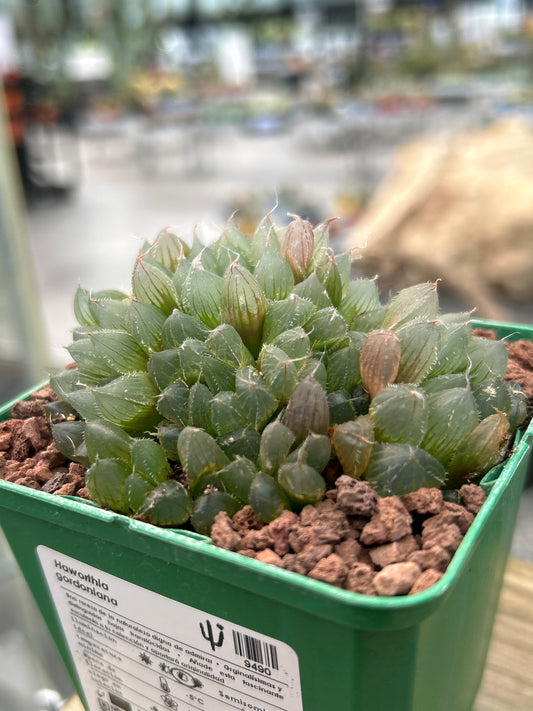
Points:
(147, 618)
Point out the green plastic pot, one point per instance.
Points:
(148, 618)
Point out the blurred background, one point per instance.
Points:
(412, 121)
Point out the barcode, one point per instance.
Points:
(255, 650)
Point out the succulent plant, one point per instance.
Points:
(251, 370)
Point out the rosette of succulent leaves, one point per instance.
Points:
(255, 369)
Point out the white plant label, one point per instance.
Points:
(136, 650)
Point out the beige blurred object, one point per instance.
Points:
(459, 208)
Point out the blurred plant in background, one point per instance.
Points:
(103, 46)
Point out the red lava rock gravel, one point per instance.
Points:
(404, 545)
(28, 455)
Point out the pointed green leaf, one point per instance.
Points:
(82, 312)
(282, 315)
(145, 323)
(419, 342)
(173, 403)
(487, 358)
(341, 407)
(344, 265)
(518, 412)
(167, 249)
(234, 239)
(244, 305)
(208, 258)
(107, 441)
(169, 504)
(361, 400)
(237, 477)
(129, 402)
(233, 243)
(243, 442)
(196, 246)
(420, 301)
(192, 355)
(313, 290)
(208, 505)
(58, 410)
(321, 250)
(452, 356)
(152, 284)
(180, 275)
(112, 294)
(315, 450)
(302, 484)
(69, 439)
(295, 342)
(279, 372)
(109, 308)
(205, 482)
(199, 453)
(90, 362)
(276, 443)
(226, 413)
(452, 414)
(353, 442)
(179, 326)
(226, 256)
(137, 489)
(265, 236)
(397, 469)
(307, 410)
(84, 402)
(444, 382)
(369, 321)
(481, 449)
(400, 414)
(80, 332)
(118, 348)
(326, 328)
(360, 296)
(167, 434)
(274, 274)
(106, 482)
(343, 365)
(255, 399)
(217, 374)
(267, 498)
(202, 293)
(459, 318)
(199, 415)
(149, 460)
(313, 366)
(226, 344)
(164, 367)
(329, 275)
(492, 395)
